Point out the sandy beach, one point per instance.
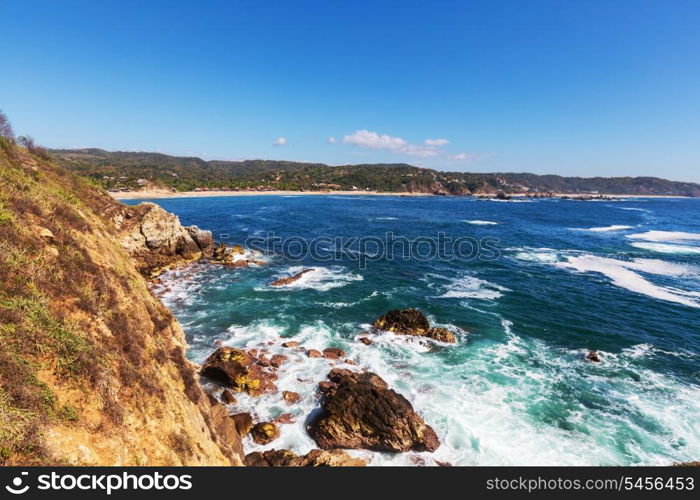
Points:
(154, 194)
(134, 195)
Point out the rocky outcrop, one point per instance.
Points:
(291, 279)
(314, 458)
(157, 240)
(236, 256)
(359, 410)
(239, 371)
(412, 322)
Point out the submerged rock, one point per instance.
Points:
(412, 322)
(291, 279)
(593, 356)
(314, 458)
(239, 371)
(360, 411)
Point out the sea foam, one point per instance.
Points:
(665, 236)
(622, 274)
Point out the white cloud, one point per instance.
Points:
(437, 142)
(331, 140)
(280, 141)
(373, 140)
(468, 156)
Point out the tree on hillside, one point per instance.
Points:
(5, 127)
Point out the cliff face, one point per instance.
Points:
(92, 366)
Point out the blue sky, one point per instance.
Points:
(571, 87)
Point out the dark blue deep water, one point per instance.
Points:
(620, 277)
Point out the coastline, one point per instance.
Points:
(156, 194)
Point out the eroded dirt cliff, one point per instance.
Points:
(92, 366)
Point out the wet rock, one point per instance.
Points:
(333, 353)
(325, 386)
(403, 321)
(237, 250)
(265, 432)
(270, 458)
(315, 458)
(291, 397)
(441, 335)
(285, 418)
(327, 458)
(290, 343)
(593, 356)
(313, 353)
(360, 411)
(239, 371)
(413, 322)
(243, 422)
(366, 340)
(278, 360)
(291, 279)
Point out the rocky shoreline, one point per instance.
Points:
(358, 410)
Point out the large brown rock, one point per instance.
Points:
(360, 411)
(413, 322)
(290, 279)
(226, 432)
(239, 371)
(243, 422)
(404, 321)
(157, 240)
(314, 458)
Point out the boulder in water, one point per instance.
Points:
(333, 353)
(239, 371)
(412, 322)
(265, 432)
(360, 411)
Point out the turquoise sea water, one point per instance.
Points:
(620, 277)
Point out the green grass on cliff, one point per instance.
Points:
(34, 335)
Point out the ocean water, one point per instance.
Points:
(620, 277)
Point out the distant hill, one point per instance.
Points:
(133, 170)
